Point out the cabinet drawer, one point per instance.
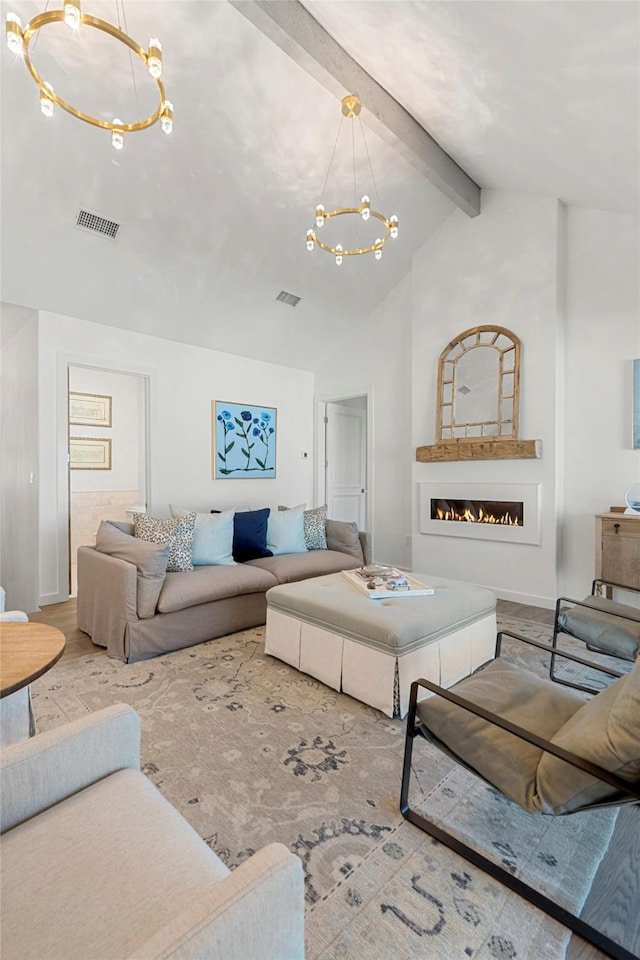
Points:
(621, 528)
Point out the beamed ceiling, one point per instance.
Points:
(532, 97)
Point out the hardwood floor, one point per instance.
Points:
(613, 904)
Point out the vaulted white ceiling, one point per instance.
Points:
(536, 97)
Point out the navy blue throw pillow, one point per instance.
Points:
(250, 534)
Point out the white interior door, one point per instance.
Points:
(346, 461)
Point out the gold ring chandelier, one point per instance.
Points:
(19, 38)
(351, 106)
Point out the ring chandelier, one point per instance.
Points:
(351, 107)
(19, 38)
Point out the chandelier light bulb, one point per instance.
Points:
(166, 117)
(117, 139)
(365, 208)
(310, 240)
(46, 103)
(154, 58)
(14, 35)
(393, 225)
(319, 215)
(338, 254)
(378, 249)
(72, 13)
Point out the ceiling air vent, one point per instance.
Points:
(96, 224)
(289, 298)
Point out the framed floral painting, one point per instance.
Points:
(243, 441)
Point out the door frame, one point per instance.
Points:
(319, 482)
(64, 361)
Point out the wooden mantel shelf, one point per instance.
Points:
(489, 449)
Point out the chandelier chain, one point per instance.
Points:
(35, 42)
(331, 159)
(355, 188)
(126, 30)
(373, 176)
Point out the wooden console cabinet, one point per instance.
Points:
(618, 548)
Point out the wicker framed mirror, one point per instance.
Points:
(478, 385)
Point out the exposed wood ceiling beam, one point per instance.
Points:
(291, 26)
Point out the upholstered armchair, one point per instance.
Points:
(94, 862)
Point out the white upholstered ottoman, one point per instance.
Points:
(374, 649)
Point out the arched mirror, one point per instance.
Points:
(478, 385)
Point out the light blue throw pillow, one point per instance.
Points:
(212, 537)
(285, 531)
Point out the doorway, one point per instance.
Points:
(346, 457)
(108, 469)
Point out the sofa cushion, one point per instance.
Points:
(291, 567)
(150, 560)
(285, 531)
(204, 584)
(606, 731)
(212, 537)
(177, 532)
(343, 536)
(607, 627)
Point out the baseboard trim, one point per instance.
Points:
(530, 600)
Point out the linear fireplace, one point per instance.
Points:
(508, 512)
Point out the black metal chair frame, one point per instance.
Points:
(557, 629)
(629, 793)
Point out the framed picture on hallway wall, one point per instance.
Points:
(89, 410)
(243, 441)
(89, 453)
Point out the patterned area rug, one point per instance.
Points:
(251, 751)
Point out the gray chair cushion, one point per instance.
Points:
(607, 627)
(606, 731)
(149, 559)
(515, 694)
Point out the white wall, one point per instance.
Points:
(127, 410)
(183, 382)
(602, 339)
(376, 356)
(19, 474)
(499, 268)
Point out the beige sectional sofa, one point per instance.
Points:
(128, 604)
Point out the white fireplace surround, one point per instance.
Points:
(527, 493)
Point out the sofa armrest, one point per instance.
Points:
(256, 911)
(107, 598)
(42, 771)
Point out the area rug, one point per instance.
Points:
(251, 751)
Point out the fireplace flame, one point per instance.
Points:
(479, 516)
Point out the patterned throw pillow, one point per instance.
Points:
(177, 532)
(314, 528)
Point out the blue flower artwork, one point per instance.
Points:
(636, 404)
(244, 441)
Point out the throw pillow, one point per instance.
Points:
(150, 560)
(250, 535)
(177, 532)
(212, 537)
(343, 537)
(285, 531)
(314, 526)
